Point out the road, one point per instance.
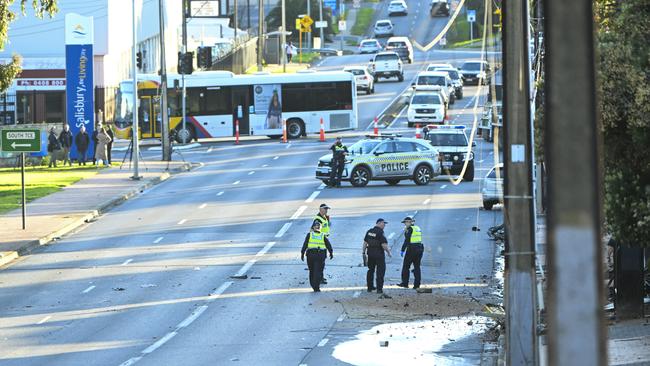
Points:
(151, 282)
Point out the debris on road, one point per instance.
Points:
(239, 277)
(118, 289)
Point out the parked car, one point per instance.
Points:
(362, 77)
(387, 65)
(397, 7)
(369, 46)
(402, 46)
(492, 191)
(383, 28)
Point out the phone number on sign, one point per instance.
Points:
(41, 82)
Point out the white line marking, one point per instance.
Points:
(182, 222)
(443, 186)
(283, 230)
(237, 182)
(251, 172)
(45, 319)
(322, 186)
(127, 262)
(323, 342)
(242, 271)
(158, 240)
(160, 342)
(209, 150)
(192, 317)
(220, 193)
(480, 161)
(298, 212)
(90, 288)
(312, 197)
(131, 361)
(203, 206)
(340, 319)
(266, 248)
(276, 157)
(356, 294)
(221, 289)
(288, 146)
(426, 202)
(391, 236)
(265, 165)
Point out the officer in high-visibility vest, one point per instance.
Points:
(413, 248)
(325, 226)
(339, 151)
(316, 246)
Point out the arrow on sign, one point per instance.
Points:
(15, 145)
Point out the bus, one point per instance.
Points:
(258, 102)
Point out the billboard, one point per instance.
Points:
(268, 109)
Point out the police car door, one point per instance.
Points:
(406, 156)
(380, 161)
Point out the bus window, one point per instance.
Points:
(295, 97)
(218, 101)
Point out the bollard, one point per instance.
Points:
(376, 129)
(322, 131)
(236, 132)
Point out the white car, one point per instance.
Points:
(362, 77)
(369, 46)
(456, 79)
(439, 79)
(426, 106)
(383, 28)
(433, 67)
(386, 65)
(492, 190)
(397, 7)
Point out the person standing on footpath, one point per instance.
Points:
(65, 139)
(100, 149)
(53, 147)
(290, 50)
(109, 147)
(98, 127)
(374, 246)
(316, 246)
(81, 141)
(325, 227)
(414, 249)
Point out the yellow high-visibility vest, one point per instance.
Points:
(416, 235)
(316, 241)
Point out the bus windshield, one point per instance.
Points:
(123, 103)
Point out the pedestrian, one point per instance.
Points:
(290, 50)
(325, 227)
(65, 139)
(316, 246)
(100, 149)
(81, 141)
(412, 251)
(98, 126)
(374, 246)
(53, 147)
(339, 152)
(109, 147)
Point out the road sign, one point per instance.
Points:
(342, 25)
(21, 140)
(471, 15)
(321, 24)
(298, 24)
(306, 21)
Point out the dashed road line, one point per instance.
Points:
(298, 212)
(276, 157)
(90, 288)
(251, 172)
(443, 186)
(158, 240)
(236, 183)
(480, 161)
(341, 317)
(426, 202)
(192, 317)
(126, 262)
(209, 150)
(182, 222)
(312, 197)
(45, 319)
(160, 342)
(288, 146)
(220, 193)
(322, 186)
(266, 248)
(203, 206)
(221, 289)
(283, 230)
(323, 342)
(265, 165)
(242, 271)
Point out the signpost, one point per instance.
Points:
(471, 18)
(22, 141)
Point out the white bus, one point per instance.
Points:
(216, 99)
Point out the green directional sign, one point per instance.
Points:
(21, 140)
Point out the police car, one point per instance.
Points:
(451, 141)
(390, 158)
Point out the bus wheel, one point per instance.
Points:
(186, 135)
(295, 129)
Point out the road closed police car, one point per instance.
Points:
(451, 141)
(390, 158)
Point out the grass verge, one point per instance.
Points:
(39, 182)
(364, 17)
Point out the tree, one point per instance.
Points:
(294, 8)
(41, 7)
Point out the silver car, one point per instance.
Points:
(386, 157)
(383, 28)
(492, 191)
(369, 46)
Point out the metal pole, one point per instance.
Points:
(166, 145)
(248, 14)
(320, 18)
(520, 285)
(576, 322)
(22, 179)
(283, 38)
(309, 33)
(183, 95)
(260, 35)
(135, 150)
(235, 20)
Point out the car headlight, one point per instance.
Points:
(471, 156)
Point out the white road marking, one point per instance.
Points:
(236, 183)
(242, 271)
(90, 288)
(283, 230)
(131, 361)
(203, 206)
(356, 294)
(298, 212)
(426, 202)
(443, 186)
(182, 222)
(127, 262)
(288, 146)
(391, 236)
(265, 165)
(209, 150)
(323, 342)
(220, 193)
(266, 248)
(45, 319)
(322, 186)
(276, 157)
(192, 317)
(251, 172)
(160, 342)
(158, 240)
(340, 319)
(221, 289)
(312, 197)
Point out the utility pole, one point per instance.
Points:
(235, 20)
(166, 145)
(135, 150)
(260, 36)
(576, 326)
(283, 38)
(184, 134)
(320, 17)
(520, 284)
(309, 33)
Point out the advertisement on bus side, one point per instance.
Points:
(268, 109)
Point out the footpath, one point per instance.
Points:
(60, 213)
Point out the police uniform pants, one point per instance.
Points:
(315, 262)
(413, 257)
(337, 171)
(376, 262)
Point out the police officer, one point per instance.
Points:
(414, 249)
(323, 218)
(316, 244)
(374, 246)
(339, 151)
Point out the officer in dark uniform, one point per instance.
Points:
(325, 226)
(414, 249)
(316, 246)
(339, 151)
(374, 246)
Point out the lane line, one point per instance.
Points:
(288, 146)
(160, 342)
(276, 157)
(298, 212)
(480, 161)
(283, 230)
(209, 150)
(443, 186)
(322, 186)
(242, 271)
(221, 289)
(426, 202)
(251, 172)
(312, 197)
(356, 294)
(203, 206)
(391, 236)
(90, 288)
(220, 193)
(340, 319)
(131, 361)
(192, 317)
(236, 183)
(323, 342)
(158, 240)
(266, 248)
(127, 262)
(265, 165)
(45, 319)
(182, 222)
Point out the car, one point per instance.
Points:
(386, 65)
(390, 158)
(402, 46)
(362, 77)
(473, 71)
(439, 8)
(383, 28)
(487, 124)
(456, 79)
(433, 67)
(397, 7)
(492, 191)
(435, 80)
(426, 106)
(369, 46)
(452, 143)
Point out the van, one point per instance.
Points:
(402, 46)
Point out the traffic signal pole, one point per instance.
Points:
(134, 128)
(183, 95)
(283, 37)
(166, 145)
(260, 35)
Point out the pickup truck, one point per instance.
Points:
(387, 65)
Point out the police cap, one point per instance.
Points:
(324, 206)
(407, 218)
(380, 221)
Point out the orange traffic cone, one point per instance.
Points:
(322, 131)
(417, 131)
(376, 129)
(236, 132)
(284, 131)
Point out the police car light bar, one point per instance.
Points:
(384, 136)
(446, 127)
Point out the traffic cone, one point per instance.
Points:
(417, 131)
(284, 131)
(322, 131)
(376, 129)
(236, 132)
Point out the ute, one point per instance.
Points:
(451, 141)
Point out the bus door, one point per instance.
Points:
(241, 101)
(149, 118)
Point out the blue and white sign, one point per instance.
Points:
(471, 15)
(332, 5)
(80, 104)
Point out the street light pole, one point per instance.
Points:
(308, 33)
(283, 38)
(135, 148)
(183, 95)
(320, 18)
(166, 145)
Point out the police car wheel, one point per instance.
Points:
(422, 175)
(392, 182)
(487, 205)
(360, 177)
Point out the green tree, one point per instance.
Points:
(294, 8)
(41, 7)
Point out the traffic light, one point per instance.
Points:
(204, 57)
(138, 59)
(185, 63)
